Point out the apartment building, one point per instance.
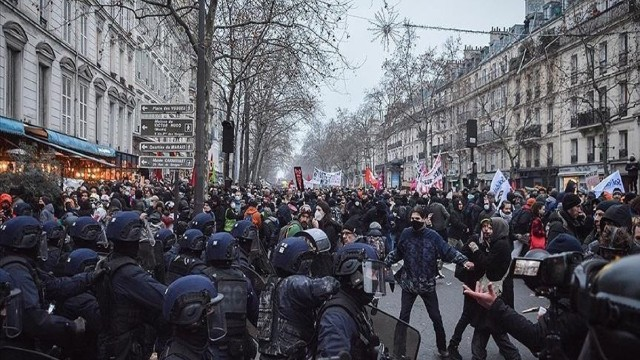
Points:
(76, 73)
(555, 99)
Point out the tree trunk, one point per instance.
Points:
(245, 115)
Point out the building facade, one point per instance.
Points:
(555, 99)
(83, 69)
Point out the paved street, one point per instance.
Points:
(450, 298)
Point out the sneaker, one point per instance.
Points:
(440, 275)
(454, 354)
(444, 354)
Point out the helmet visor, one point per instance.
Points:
(12, 314)
(373, 278)
(43, 246)
(216, 322)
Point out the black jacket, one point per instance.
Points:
(495, 257)
(561, 223)
(457, 225)
(571, 328)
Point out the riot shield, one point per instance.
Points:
(256, 279)
(10, 352)
(259, 259)
(401, 340)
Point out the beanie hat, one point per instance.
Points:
(563, 243)
(619, 215)
(375, 226)
(604, 205)
(570, 200)
(353, 225)
(531, 201)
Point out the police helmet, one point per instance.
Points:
(318, 239)
(55, 232)
(245, 231)
(192, 239)
(191, 297)
(87, 229)
(221, 247)
(167, 238)
(21, 232)
(611, 303)
(125, 226)
(293, 255)
(81, 260)
(204, 222)
(11, 303)
(67, 220)
(358, 266)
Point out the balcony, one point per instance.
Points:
(530, 132)
(394, 145)
(591, 157)
(623, 153)
(574, 159)
(622, 59)
(589, 118)
(487, 136)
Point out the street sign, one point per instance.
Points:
(165, 162)
(166, 108)
(166, 146)
(166, 127)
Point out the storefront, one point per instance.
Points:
(77, 158)
(578, 174)
(547, 177)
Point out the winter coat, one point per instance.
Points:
(458, 228)
(537, 235)
(495, 256)
(256, 218)
(560, 222)
(439, 215)
(47, 213)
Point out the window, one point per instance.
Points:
(549, 118)
(623, 140)
(67, 14)
(112, 123)
(624, 99)
(13, 82)
(113, 55)
(99, 120)
(549, 154)
(591, 148)
(536, 157)
(590, 59)
(574, 151)
(623, 49)
(84, 29)
(122, 62)
(44, 79)
(536, 116)
(43, 12)
(574, 106)
(119, 131)
(67, 104)
(574, 69)
(528, 157)
(82, 116)
(602, 98)
(603, 57)
(99, 44)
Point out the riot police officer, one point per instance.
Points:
(86, 232)
(56, 236)
(204, 222)
(287, 307)
(169, 244)
(82, 305)
(22, 242)
(240, 301)
(252, 258)
(191, 306)
(344, 324)
(130, 299)
(188, 261)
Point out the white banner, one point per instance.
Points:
(500, 186)
(323, 178)
(610, 183)
(431, 179)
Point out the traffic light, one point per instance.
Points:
(472, 133)
(227, 137)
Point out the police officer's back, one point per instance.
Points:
(240, 302)
(56, 235)
(188, 261)
(21, 243)
(287, 305)
(129, 297)
(344, 324)
(191, 306)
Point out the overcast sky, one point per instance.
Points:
(360, 48)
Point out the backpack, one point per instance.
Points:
(521, 222)
(289, 229)
(270, 231)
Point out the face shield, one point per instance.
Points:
(43, 246)
(216, 322)
(97, 232)
(373, 278)
(11, 311)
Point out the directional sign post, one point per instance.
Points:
(166, 127)
(166, 109)
(166, 146)
(165, 162)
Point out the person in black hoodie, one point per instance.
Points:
(458, 230)
(494, 256)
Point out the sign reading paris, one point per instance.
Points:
(166, 127)
(166, 108)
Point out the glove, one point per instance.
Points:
(77, 327)
(96, 275)
(328, 286)
(473, 246)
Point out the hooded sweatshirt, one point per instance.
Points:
(495, 255)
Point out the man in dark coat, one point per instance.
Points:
(569, 220)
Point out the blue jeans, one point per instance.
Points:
(430, 300)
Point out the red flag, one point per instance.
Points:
(369, 178)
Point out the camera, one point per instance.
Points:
(546, 274)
